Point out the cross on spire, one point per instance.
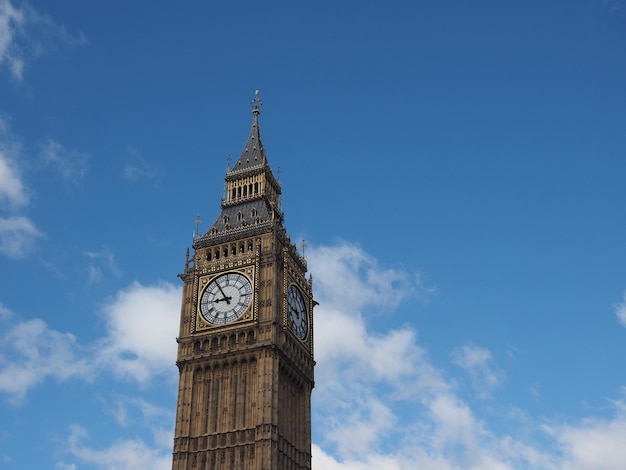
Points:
(256, 103)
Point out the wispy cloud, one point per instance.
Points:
(479, 364)
(31, 352)
(620, 311)
(132, 454)
(18, 234)
(137, 168)
(69, 164)
(13, 192)
(26, 34)
(99, 262)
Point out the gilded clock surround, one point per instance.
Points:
(244, 398)
(201, 323)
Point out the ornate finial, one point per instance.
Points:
(256, 103)
(303, 245)
(228, 163)
(198, 222)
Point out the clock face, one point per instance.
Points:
(226, 298)
(296, 311)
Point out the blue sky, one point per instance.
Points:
(457, 170)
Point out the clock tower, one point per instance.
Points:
(245, 347)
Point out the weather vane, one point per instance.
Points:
(256, 102)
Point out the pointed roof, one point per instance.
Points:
(253, 154)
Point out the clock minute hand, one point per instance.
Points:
(226, 298)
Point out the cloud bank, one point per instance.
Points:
(380, 401)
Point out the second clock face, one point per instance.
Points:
(296, 311)
(226, 298)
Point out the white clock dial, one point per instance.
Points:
(296, 310)
(226, 298)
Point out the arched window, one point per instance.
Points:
(256, 188)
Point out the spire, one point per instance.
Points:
(253, 154)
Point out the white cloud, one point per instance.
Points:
(478, 363)
(380, 402)
(5, 312)
(131, 454)
(18, 236)
(352, 281)
(100, 261)
(129, 410)
(620, 311)
(26, 34)
(69, 164)
(137, 168)
(11, 23)
(13, 192)
(593, 444)
(31, 352)
(141, 324)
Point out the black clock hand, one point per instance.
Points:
(226, 298)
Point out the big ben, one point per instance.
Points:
(245, 346)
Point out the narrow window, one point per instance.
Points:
(236, 382)
(208, 406)
(216, 404)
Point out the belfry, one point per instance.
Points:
(245, 346)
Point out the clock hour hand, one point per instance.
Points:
(226, 298)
